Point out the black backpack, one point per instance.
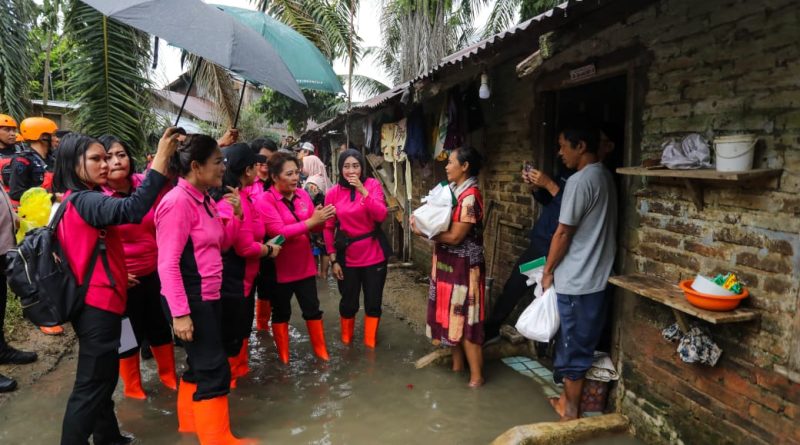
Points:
(39, 274)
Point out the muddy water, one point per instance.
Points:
(359, 397)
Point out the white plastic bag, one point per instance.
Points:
(433, 217)
(690, 153)
(540, 320)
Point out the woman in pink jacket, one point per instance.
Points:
(144, 296)
(359, 261)
(93, 247)
(240, 263)
(287, 210)
(191, 236)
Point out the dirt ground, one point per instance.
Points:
(406, 296)
(50, 348)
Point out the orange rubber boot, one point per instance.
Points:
(370, 330)
(131, 378)
(317, 335)
(214, 423)
(52, 330)
(243, 366)
(263, 312)
(233, 363)
(348, 326)
(280, 333)
(186, 407)
(165, 362)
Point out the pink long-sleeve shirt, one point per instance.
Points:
(191, 236)
(357, 216)
(139, 240)
(295, 262)
(241, 262)
(258, 188)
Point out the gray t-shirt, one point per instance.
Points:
(590, 203)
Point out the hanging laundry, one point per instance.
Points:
(439, 134)
(455, 122)
(416, 147)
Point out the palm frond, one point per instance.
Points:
(15, 23)
(218, 83)
(109, 76)
(503, 16)
(365, 85)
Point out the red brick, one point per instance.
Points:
(706, 251)
(769, 263)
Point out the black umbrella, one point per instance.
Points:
(208, 33)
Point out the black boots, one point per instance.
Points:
(7, 384)
(11, 356)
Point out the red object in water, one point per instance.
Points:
(410, 386)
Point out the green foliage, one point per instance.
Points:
(16, 19)
(108, 76)
(252, 125)
(63, 54)
(278, 108)
(507, 13)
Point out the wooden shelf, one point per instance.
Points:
(671, 295)
(692, 178)
(702, 174)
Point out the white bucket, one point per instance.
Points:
(735, 153)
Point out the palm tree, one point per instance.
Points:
(50, 21)
(15, 22)
(418, 34)
(507, 13)
(108, 77)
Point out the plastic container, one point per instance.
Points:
(708, 302)
(706, 286)
(735, 153)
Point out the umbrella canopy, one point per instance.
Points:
(307, 64)
(207, 32)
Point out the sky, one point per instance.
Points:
(367, 26)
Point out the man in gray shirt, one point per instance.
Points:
(580, 260)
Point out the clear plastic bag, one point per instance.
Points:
(540, 320)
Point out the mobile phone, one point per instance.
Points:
(528, 166)
(278, 240)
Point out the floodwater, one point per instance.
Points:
(359, 397)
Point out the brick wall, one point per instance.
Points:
(717, 66)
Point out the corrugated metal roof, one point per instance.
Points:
(559, 13)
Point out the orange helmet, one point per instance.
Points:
(7, 121)
(33, 128)
(19, 137)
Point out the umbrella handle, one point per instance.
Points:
(188, 90)
(239, 108)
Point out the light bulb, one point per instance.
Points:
(484, 92)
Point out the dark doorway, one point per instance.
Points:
(604, 103)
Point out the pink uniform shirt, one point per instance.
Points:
(295, 262)
(246, 241)
(357, 216)
(191, 236)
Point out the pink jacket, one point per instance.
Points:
(357, 216)
(241, 262)
(257, 189)
(191, 236)
(295, 262)
(139, 240)
(92, 215)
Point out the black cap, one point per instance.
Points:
(240, 156)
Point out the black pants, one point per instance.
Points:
(237, 322)
(90, 409)
(266, 279)
(147, 317)
(513, 291)
(306, 292)
(207, 364)
(3, 300)
(370, 280)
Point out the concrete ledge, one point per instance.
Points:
(563, 433)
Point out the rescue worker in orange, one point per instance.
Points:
(33, 166)
(8, 146)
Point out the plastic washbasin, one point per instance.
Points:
(710, 302)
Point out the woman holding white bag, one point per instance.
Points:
(456, 295)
